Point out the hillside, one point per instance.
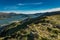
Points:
(45, 27)
(7, 15)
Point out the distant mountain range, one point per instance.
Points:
(8, 15)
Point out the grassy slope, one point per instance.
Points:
(45, 28)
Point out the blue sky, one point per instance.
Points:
(28, 5)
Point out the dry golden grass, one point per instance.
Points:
(40, 31)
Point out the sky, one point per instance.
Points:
(29, 6)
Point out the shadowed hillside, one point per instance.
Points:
(44, 27)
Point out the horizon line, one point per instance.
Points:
(32, 12)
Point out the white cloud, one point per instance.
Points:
(33, 12)
(39, 3)
(21, 4)
(51, 10)
(41, 11)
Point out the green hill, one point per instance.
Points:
(40, 28)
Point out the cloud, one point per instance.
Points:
(51, 10)
(39, 3)
(43, 11)
(33, 11)
(39, 11)
(21, 4)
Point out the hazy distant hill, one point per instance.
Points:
(43, 27)
(6, 15)
(9, 15)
